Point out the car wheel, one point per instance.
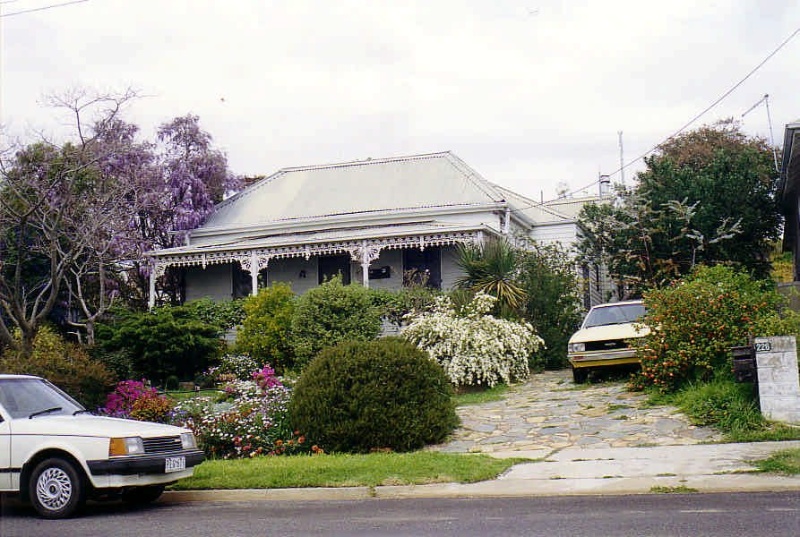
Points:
(579, 375)
(142, 495)
(56, 488)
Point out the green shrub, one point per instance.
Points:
(265, 333)
(395, 305)
(225, 314)
(697, 320)
(65, 364)
(330, 314)
(553, 299)
(168, 341)
(363, 396)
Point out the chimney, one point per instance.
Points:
(605, 185)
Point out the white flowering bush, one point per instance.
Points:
(232, 366)
(474, 348)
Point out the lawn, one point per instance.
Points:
(341, 470)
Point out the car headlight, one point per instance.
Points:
(131, 445)
(188, 441)
(576, 347)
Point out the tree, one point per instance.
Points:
(705, 197)
(193, 176)
(124, 169)
(76, 217)
(56, 203)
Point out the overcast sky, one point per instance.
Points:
(530, 93)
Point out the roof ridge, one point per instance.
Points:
(485, 186)
(365, 162)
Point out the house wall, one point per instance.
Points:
(564, 233)
(290, 270)
(391, 258)
(214, 282)
(488, 218)
(450, 270)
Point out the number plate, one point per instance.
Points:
(763, 346)
(174, 464)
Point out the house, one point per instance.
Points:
(381, 222)
(789, 193)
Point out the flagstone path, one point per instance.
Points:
(550, 412)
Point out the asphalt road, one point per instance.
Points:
(664, 515)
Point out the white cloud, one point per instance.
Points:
(528, 93)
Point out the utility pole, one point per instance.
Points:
(765, 100)
(621, 160)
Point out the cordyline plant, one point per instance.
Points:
(474, 348)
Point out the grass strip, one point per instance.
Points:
(340, 470)
(481, 395)
(785, 462)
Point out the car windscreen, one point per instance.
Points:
(615, 314)
(29, 397)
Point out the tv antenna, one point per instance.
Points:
(765, 100)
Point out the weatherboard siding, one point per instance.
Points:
(214, 282)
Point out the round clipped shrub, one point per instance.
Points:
(361, 396)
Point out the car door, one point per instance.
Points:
(5, 451)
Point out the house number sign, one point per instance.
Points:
(763, 346)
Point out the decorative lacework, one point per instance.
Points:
(361, 250)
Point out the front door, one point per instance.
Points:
(333, 265)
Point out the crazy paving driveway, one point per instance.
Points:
(550, 412)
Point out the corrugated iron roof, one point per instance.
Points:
(366, 186)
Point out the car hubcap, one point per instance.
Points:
(54, 488)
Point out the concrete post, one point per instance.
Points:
(778, 383)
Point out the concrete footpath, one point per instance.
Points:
(572, 471)
(588, 439)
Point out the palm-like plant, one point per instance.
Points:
(491, 267)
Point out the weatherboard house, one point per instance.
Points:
(381, 222)
(789, 193)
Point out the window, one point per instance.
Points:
(332, 265)
(423, 267)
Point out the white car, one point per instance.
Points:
(604, 337)
(55, 454)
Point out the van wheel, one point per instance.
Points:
(56, 489)
(579, 375)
